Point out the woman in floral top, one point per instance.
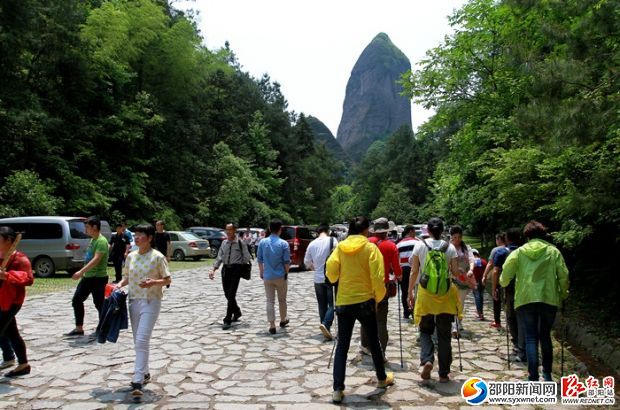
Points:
(146, 272)
(464, 280)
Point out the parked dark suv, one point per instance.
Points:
(215, 236)
(298, 238)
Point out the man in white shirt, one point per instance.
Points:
(316, 255)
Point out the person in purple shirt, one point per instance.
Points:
(274, 260)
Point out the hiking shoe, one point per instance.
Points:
(326, 332)
(389, 380)
(74, 333)
(495, 325)
(7, 363)
(364, 350)
(284, 323)
(136, 389)
(337, 396)
(426, 371)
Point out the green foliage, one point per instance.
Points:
(394, 204)
(122, 107)
(24, 193)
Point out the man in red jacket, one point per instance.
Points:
(13, 281)
(391, 264)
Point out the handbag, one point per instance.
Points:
(244, 269)
(392, 288)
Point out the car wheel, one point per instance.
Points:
(44, 267)
(196, 258)
(178, 255)
(212, 253)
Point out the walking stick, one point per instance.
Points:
(8, 255)
(458, 338)
(335, 288)
(400, 331)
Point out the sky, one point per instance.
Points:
(310, 47)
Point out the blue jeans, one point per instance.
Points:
(7, 350)
(325, 298)
(537, 319)
(479, 298)
(347, 315)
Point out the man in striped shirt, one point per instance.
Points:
(405, 249)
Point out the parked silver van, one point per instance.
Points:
(52, 243)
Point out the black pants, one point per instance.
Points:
(404, 291)
(517, 331)
(443, 324)
(118, 267)
(96, 286)
(230, 283)
(347, 315)
(8, 329)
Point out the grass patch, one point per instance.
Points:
(62, 280)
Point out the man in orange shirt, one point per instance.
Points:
(391, 263)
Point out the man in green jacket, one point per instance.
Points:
(541, 280)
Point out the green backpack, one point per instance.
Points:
(436, 275)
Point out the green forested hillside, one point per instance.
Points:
(527, 125)
(116, 108)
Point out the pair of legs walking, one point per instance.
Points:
(86, 287)
(537, 319)
(381, 321)
(515, 325)
(12, 341)
(230, 284)
(404, 291)
(428, 325)
(365, 313)
(143, 314)
(279, 286)
(325, 299)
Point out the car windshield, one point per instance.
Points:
(190, 236)
(77, 229)
(287, 233)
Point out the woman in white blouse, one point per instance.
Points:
(146, 272)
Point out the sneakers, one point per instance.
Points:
(426, 371)
(337, 396)
(495, 325)
(364, 350)
(389, 380)
(7, 363)
(74, 333)
(136, 390)
(326, 332)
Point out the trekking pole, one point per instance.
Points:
(458, 339)
(507, 330)
(563, 337)
(400, 331)
(336, 338)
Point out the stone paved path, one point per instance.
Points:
(195, 364)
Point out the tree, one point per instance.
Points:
(24, 193)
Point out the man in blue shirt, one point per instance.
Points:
(274, 260)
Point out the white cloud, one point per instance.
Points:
(310, 47)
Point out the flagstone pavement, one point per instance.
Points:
(196, 364)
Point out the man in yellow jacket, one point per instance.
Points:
(356, 266)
